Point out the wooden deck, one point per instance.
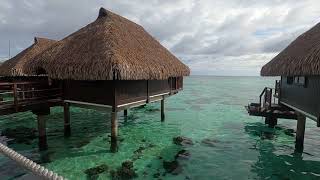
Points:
(271, 109)
(27, 96)
(275, 111)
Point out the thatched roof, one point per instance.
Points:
(111, 47)
(301, 57)
(16, 65)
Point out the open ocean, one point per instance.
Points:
(226, 142)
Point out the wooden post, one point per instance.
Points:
(114, 119)
(301, 123)
(162, 110)
(42, 132)
(15, 96)
(271, 121)
(266, 120)
(125, 113)
(23, 92)
(176, 79)
(148, 93)
(170, 81)
(67, 127)
(114, 131)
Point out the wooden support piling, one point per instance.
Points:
(162, 110)
(271, 121)
(42, 132)
(67, 127)
(125, 113)
(301, 123)
(114, 132)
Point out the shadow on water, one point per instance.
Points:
(277, 159)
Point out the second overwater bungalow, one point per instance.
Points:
(18, 90)
(298, 90)
(112, 64)
(13, 69)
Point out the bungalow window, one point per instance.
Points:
(300, 81)
(289, 80)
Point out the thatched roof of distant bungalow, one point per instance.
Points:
(16, 65)
(111, 47)
(301, 57)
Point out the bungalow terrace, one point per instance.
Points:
(112, 63)
(298, 91)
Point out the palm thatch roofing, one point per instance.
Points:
(112, 47)
(15, 66)
(301, 57)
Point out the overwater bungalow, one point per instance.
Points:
(111, 64)
(298, 91)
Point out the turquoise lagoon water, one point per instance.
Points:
(227, 143)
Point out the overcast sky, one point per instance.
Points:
(213, 37)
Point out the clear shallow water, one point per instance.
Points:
(228, 144)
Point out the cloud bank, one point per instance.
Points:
(230, 37)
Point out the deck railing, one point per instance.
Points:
(20, 93)
(267, 95)
(266, 98)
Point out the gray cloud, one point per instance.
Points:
(207, 35)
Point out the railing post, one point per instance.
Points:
(261, 96)
(279, 90)
(270, 98)
(15, 96)
(267, 98)
(32, 93)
